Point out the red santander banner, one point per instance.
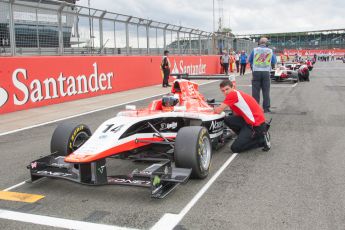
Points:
(335, 52)
(28, 82)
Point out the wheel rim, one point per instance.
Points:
(79, 140)
(205, 153)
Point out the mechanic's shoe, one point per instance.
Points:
(268, 125)
(168, 85)
(267, 110)
(267, 142)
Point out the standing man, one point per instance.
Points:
(248, 121)
(225, 60)
(237, 61)
(261, 59)
(165, 66)
(243, 62)
(221, 64)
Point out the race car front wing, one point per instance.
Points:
(160, 177)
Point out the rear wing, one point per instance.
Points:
(187, 76)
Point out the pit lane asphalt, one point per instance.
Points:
(299, 184)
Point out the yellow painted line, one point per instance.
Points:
(21, 197)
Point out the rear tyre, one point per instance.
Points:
(193, 150)
(68, 137)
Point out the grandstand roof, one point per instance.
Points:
(293, 33)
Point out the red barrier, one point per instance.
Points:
(28, 82)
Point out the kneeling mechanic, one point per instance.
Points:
(247, 120)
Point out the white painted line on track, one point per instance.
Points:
(14, 186)
(88, 112)
(169, 221)
(332, 68)
(283, 86)
(56, 222)
(244, 85)
(273, 85)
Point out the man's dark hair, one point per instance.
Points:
(166, 52)
(226, 83)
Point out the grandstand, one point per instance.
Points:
(320, 39)
(34, 24)
(52, 27)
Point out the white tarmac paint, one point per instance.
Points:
(14, 186)
(169, 221)
(56, 222)
(273, 85)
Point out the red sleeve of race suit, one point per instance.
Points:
(231, 99)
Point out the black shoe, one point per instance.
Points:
(267, 110)
(268, 125)
(168, 85)
(267, 142)
(164, 86)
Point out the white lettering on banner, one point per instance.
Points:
(19, 85)
(190, 69)
(193, 69)
(3, 96)
(60, 87)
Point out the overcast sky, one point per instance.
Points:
(244, 16)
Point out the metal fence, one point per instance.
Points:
(49, 27)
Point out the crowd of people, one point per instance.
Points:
(231, 60)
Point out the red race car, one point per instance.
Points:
(181, 127)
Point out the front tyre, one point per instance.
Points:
(68, 137)
(193, 150)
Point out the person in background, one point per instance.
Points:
(232, 61)
(247, 121)
(243, 62)
(261, 60)
(237, 61)
(165, 67)
(225, 60)
(221, 64)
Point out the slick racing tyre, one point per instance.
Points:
(193, 150)
(68, 137)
